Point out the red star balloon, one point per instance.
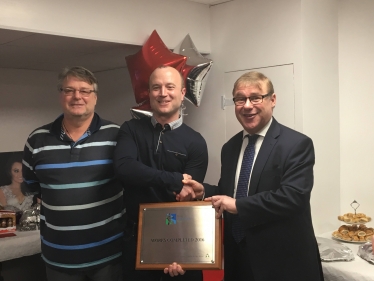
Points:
(153, 54)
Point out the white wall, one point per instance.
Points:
(244, 35)
(331, 45)
(247, 34)
(320, 105)
(329, 42)
(356, 74)
(29, 99)
(115, 95)
(122, 21)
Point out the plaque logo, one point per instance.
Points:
(171, 219)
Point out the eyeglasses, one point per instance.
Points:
(240, 101)
(70, 92)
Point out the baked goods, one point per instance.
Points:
(354, 233)
(7, 221)
(354, 218)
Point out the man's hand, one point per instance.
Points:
(223, 203)
(197, 187)
(186, 194)
(174, 269)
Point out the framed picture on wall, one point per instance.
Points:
(13, 195)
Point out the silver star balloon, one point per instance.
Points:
(196, 70)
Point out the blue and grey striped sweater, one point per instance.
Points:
(82, 203)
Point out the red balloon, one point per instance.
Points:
(153, 54)
(185, 71)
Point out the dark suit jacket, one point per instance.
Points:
(276, 214)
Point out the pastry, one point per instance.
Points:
(355, 238)
(338, 235)
(342, 227)
(361, 233)
(362, 227)
(346, 238)
(347, 219)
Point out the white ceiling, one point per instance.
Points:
(26, 50)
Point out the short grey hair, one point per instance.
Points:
(80, 73)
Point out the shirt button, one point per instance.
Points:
(160, 141)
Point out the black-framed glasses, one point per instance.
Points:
(240, 101)
(70, 91)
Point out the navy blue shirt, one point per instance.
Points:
(150, 161)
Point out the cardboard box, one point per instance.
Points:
(7, 221)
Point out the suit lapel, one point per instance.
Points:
(263, 155)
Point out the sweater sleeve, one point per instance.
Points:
(30, 179)
(133, 172)
(197, 163)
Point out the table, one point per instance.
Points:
(358, 269)
(25, 243)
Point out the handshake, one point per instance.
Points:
(191, 190)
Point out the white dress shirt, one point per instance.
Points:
(258, 144)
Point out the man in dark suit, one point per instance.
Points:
(265, 186)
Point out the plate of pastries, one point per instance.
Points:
(359, 218)
(354, 233)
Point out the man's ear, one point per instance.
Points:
(273, 99)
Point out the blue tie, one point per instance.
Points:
(242, 188)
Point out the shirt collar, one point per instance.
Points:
(173, 125)
(262, 132)
(57, 125)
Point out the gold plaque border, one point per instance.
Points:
(217, 264)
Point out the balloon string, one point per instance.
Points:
(183, 107)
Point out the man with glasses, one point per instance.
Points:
(69, 162)
(264, 191)
(152, 157)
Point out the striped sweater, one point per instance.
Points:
(81, 223)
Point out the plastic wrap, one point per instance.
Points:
(30, 219)
(331, 250)
(366, 252)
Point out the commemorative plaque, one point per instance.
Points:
(184, 232)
